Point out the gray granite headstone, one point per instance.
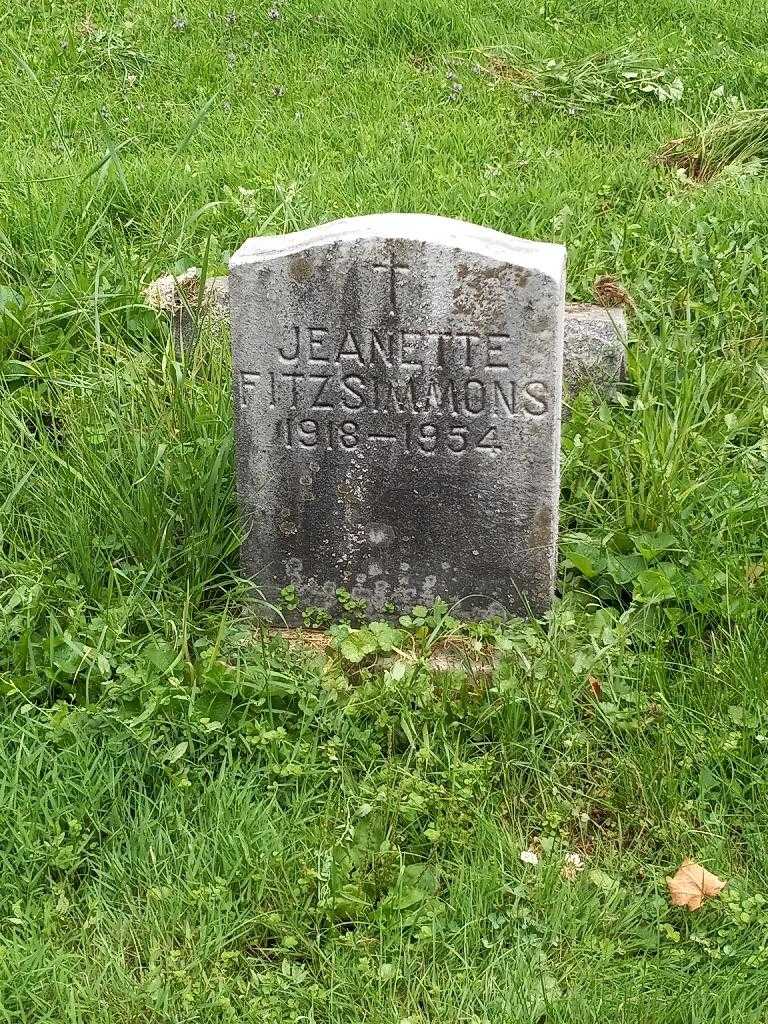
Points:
(397, 393)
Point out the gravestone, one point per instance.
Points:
(397, 396)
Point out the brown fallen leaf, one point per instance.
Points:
(595, 687)
(754, 571)
(692, 884)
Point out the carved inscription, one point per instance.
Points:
(392, 268)
(395, 349)
(324, 375)
(417, 395)
(419, 438)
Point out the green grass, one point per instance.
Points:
(200, 824)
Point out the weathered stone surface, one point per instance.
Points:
(594, 342)
(397, 395)
(594, 349)
(178, 297)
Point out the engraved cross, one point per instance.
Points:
(392, 267)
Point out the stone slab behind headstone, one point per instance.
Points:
(594, 342)
(397, 398)
(594, 346)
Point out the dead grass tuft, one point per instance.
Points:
(610, 294)
(575, 86)
(735, 144)
(297, 638)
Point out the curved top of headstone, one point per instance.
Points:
(545, 257)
